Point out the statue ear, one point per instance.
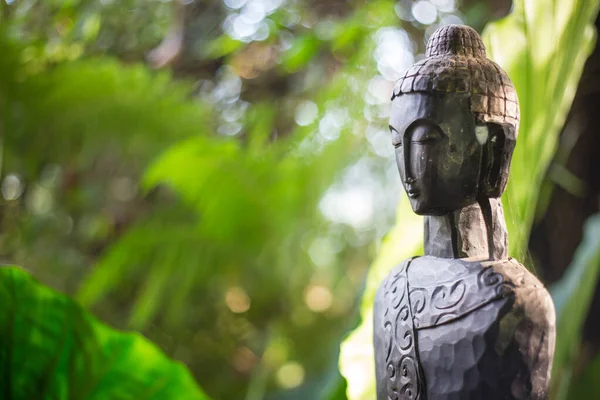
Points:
(494, 166)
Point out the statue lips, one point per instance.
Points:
(412, 192)
(411, 189)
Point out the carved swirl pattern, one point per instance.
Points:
(488, 277)
(450, 300)
(405, 379)
(446, 297)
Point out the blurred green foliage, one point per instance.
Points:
(227, 205)
(208, 254)
(572, 297)
(52, 349)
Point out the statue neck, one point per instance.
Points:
(478, 230)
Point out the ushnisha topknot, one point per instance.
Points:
(455, 40)
(455, 62)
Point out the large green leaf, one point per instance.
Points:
(588, 384)
(50, 348)
(572, 296)
(542, 46)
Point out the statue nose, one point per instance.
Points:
(409, 180)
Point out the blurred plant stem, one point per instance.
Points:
(260, 374)
(258, 383)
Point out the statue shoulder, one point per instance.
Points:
(529, 295)
(532, 306)
(528, 329)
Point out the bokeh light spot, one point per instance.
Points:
(444, 5)
(244, 359)
(290, 375)
(237, 299)
(39, 200)
(235, 4)
(322, 252)
(349, 205)
(277, 352)
(306, 113)
(318, 298)
(394, 52)
(424, 12)
(12, 187)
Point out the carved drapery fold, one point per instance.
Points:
(405, 378)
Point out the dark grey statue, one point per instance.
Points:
(464, 321)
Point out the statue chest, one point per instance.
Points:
(440, 318)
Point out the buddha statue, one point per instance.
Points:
(464, 321)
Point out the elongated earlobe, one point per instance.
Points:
(493, 164)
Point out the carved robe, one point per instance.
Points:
(462, 329)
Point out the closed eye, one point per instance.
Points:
(396, 137)
(426, 139)
(426, 133)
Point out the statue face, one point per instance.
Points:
(438, 150)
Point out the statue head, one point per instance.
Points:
(454, 123)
